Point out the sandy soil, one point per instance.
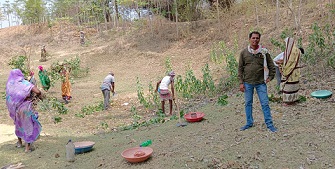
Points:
(6, 133)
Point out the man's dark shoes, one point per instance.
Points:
(272, 129)
(245, 127)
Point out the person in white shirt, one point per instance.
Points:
(163, 88)
(278, 60)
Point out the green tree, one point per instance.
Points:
(33, 12)
(188, 11)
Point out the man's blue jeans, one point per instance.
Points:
(261, 90)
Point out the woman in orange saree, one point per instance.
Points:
(66, 85)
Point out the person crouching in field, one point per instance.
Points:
(163, 89)
(106, 87)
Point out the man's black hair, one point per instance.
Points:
(254, 32)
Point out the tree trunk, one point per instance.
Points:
(116, 17)
(217, 9)
(277, 14)
(299, 17)
(78, 13)
(169, 10)
(104, 13)
(8, 20)
(175, 2)
(256, 13)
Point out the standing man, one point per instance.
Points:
(251, 72)
(163, 90)
(106, 87)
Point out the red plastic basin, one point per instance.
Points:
(137, 154)
(194, 116)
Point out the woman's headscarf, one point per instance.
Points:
(17, 90)
(40, 67)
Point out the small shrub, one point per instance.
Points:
(222, 52)
(331, 61)
(52, 104)
(76, 70)
(104, 125)
(273, 98)
(168, 65)
(79, 115)
(20, 62)
(302, 99)
(153, 96)
(140, 94)
(222, 101)
(3, 95)
(190, 86)
(207, 81)
(284, 34)
(90, 109)
(57, 119)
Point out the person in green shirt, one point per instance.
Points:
(44, 78)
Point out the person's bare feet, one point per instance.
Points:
(19, 143)
(28, 148)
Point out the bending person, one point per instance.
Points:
(163, 88)
(106, 87)
(21, 109)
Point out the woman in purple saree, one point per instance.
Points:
(21, 109)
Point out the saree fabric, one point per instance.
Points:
(21, 108)
(66, 85)
(290, 72)
(44, 79)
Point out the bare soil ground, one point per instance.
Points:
(306, 131)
